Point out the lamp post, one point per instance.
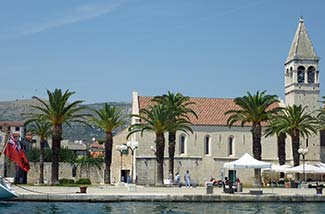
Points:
(303, 152)
(121, 149)
(132, 145)
(152, 148)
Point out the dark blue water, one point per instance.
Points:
(157, 207)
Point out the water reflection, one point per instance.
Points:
(158, 207)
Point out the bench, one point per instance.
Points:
(227, 189)
(256, 192)
(168, 182)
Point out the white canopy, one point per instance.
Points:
(308, 169)
(320, 165)
(279, 168)
(247, 161)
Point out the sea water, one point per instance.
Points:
(157, 207)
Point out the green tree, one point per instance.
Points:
(156, 118)
(66, 155)
(297, 123)
(58, 111)
(108, 118)
(281, 141)
(178, 107)
(42, 128)
(321, 115)
(253, 109)
(88, 162)
(271, 130)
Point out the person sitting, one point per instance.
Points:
(281, 181)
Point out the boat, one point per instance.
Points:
(5, 190)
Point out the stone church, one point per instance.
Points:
(213, 143)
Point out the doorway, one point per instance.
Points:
(124, 175)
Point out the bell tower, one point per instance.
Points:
(301, 72)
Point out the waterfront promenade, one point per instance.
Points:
(103, 193)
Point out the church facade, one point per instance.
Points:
(213, 143)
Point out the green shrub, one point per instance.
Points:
(83, 181)
(66, 155)
(66, 181)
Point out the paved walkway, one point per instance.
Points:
(142, 193)
(113, 190)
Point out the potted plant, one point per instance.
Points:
(287, 183)
(86, 163)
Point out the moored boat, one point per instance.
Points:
(5, 190)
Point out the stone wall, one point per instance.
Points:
(201, 166)
(65, 171)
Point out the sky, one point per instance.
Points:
(104, 50)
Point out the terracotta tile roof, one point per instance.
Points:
(96, 145)
(210, 111)
(12, 123)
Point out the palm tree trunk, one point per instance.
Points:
(257, 149)
(282, 150)
(171, 152)
(295, 147)
(56, 144)
(108, 157)
(160, 147)
(41, 162)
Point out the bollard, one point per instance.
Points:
(319, 190)
(209, 188)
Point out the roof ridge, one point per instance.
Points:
(221, 98)
(301, 46)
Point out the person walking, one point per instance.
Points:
(178, 180)
(187, 179)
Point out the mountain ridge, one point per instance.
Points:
(15, 110)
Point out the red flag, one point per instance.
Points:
(15, 153)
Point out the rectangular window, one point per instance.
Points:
(207, 145)
(17, 128)
(182, 145)
(230, 146)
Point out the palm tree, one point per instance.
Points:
(178, 106)
(108, 118)
(88, 162)
(281, 141)
(41, 128)
(321, 115)
(156, 119)
(58, 111)
(253, 109)
(295, 122)
(272, 129)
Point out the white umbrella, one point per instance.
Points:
(279, 168)
(308, 169)
(320, 165)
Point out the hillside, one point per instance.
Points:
(14, 110)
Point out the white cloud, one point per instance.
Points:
(78, 14)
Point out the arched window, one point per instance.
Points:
(311, 74)
(182, 139)
(230, 146)
(207, 145)
(301, 74)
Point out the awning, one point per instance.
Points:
(247, 161)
